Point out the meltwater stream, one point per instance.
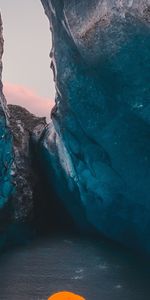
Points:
(95, 269)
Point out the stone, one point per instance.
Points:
(22, 124)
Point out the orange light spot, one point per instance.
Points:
(65, 296)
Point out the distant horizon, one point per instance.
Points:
(27, 78)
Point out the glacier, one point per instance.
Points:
(95, 153)
(6, 149)
(96, 150)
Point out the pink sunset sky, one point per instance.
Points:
(28, 98)
(27, 78)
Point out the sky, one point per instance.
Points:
(27, 77)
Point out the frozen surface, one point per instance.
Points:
(97, 148)
(91, 268)
(6, 151)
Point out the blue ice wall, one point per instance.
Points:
(98, 143)
(6, 148)
(6, 157)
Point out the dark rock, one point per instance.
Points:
(22, 124)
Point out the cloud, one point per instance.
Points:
(28, 98)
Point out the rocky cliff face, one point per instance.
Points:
(97, 148)
(24, 179)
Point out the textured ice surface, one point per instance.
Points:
(98, 144)
(6, 151)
